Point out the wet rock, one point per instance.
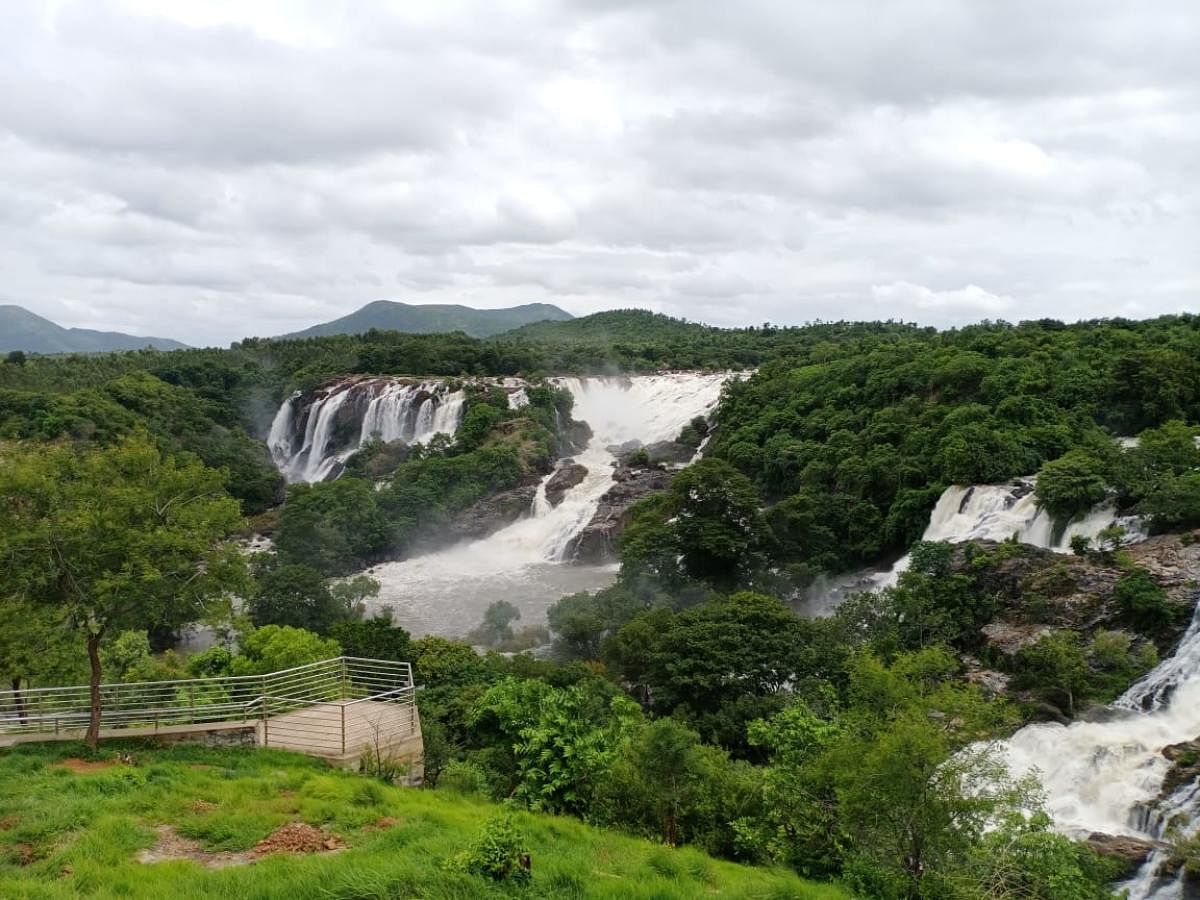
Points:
(573, 436)
(596, 543)
(670, 452)
(1130, 851)
(487, 516)
(569, 474)
(1185, 767)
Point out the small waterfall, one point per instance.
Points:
(384, 408)
(999, 512)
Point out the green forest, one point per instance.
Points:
(687, 703)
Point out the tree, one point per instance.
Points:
(117, 538)
(300, 596)
(274, 648)
(732, 660)
(1058, 665)
(37, 647)
(886, 788)
(1072, 484)
(707, 527)
(496, 627)
(374, 638)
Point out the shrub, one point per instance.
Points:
(1143, 601)
(499, 853)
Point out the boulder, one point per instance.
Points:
(1009, 638)
(669, 452)
(1130, 851)
(568, 474)
(596, 543)
(487, 516)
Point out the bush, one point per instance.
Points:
(1143, 602)
(499, 853)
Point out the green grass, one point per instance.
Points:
(66, 835)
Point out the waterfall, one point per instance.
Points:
(447, 591)
(998, 512)
(388, 409)
(1104, 775)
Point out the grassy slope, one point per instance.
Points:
(80, 833)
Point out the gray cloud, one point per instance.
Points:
(206, 171)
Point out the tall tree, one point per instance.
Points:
(115, 538)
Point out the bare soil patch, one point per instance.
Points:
(26, 854)
(202, 806)
(8, 823)
(173, 846)
(298, 837)
(383, 823)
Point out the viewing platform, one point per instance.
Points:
(337, 709)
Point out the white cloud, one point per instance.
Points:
(205, 170)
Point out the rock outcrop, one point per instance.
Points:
(596, 543)
(1131, 852)
(670, 453)
(487, 516)
(1039, 591)
(568, 474)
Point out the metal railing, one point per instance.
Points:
(279, 701)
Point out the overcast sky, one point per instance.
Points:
(211, 169)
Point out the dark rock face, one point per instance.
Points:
(1130, 851)
(573, 436)
(596, 543)
(487, 516)
(569, 474)
(671, 452)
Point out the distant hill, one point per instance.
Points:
(386, 315)
(638, 325)
(22, 330)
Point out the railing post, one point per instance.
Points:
(343, 708)
(263, 712)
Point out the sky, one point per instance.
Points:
(211, 169)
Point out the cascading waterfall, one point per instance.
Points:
(446, 592)
(1103, 776)
(383, 408)
(984, 512)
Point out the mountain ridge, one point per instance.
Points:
(391, 315)
(28, 332)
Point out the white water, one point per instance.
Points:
(447, 592)
(1000, 512)
(1100, 775)
(394, 411)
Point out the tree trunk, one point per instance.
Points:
(18, 700)
(93, 651)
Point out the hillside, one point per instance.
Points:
(638, 325)
(385, 315)
(22, 330)
(187, 821)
